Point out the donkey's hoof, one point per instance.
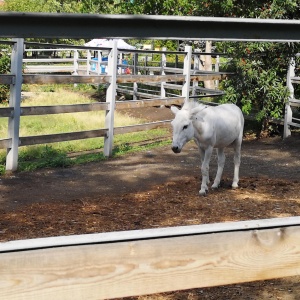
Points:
(215, 186)
(235, 185)
(202, 192)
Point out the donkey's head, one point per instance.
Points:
(183, 130)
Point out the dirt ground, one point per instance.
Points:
(158, 188)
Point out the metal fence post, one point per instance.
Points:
(111, 98)
(15, 102)
(187, 73)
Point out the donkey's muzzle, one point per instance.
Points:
(176, 149)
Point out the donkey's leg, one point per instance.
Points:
(202, 153)
(205, 170)
(221, 163)
(237, 161)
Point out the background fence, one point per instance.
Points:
(112, 78)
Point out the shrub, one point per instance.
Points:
(4, 69)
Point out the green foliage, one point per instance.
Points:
(4, 69)
(62, 6)
(260, 80)
(160, 7)
(43, 157)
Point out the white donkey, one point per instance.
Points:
(210, 127)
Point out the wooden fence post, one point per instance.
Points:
(187, 73)
(135, 72)
(163, 65)
(111, 98)
(88, 62)
(288, 111)
(197, 63)
(15, 102)
(217, 69)
(76, 65)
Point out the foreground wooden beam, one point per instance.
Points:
(120, 264)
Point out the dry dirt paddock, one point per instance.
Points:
(158, 188)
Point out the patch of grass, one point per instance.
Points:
(49, 157)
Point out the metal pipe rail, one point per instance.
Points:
(53, 25)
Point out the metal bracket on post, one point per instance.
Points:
(288, 111)
(187, 73)
(111, 98)
(15, 103)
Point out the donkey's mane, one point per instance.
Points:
(191, 104)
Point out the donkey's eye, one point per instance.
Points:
(185, 127)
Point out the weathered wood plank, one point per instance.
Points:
(169, 78)
(137, 267)
(294, 102)
(48, 69)
(6, 111)
(60, 137)
(295, 80)
(294, 124)
(58, 79)
(59, 109)
(7, 79)
(139, 94)
(149, 103)
(97, 106)
(97, 79)
(5, 143)
(141, 127)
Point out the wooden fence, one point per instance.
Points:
(130, 263)
(119, 264)
(289, 118)
(112, 79)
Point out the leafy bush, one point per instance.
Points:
(4, 69)
(259, 84)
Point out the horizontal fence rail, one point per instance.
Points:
(147, 27)
(118, 264)
(123, 264)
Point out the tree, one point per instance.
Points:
(4, 69)
(59, 6)
(260, 67)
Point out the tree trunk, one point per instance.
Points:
(207, 64)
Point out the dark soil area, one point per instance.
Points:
(158, 188)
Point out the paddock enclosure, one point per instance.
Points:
(159, 245)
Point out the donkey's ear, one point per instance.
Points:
(174, 109)
(195, 114)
